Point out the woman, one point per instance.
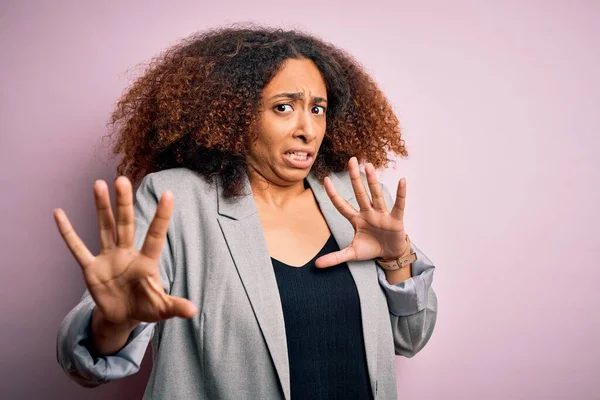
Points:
(247, 143)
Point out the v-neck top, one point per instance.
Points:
(323, 326)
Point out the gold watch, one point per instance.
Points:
(400, 262)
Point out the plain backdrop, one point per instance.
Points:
(499, 104)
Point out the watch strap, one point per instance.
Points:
(394, 265)
(398, 263)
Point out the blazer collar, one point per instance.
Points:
(242, 207)
(241, 228)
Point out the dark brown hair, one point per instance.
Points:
(197, 103)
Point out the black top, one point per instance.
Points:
(324, 333)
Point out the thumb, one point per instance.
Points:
(335, 258)
(182, 308)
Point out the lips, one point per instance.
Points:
(299, 151)
(298, 159)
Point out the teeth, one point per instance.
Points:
(298, 155)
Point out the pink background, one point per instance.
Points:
(499, 102)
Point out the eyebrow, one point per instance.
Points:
(298, 96)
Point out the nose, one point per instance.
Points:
(306, 128)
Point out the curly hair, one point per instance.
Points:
(197, 103)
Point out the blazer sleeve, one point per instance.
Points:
(73, 339)
(412, 303)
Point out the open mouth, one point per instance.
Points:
(298, 159)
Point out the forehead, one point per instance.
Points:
(297, 76)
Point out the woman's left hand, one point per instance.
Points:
(378, 233)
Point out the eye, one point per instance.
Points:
(282, 108)
(318, 110)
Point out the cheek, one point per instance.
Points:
(263, 146)
(271, 134)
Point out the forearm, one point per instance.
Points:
(108, 338)
(398, 275)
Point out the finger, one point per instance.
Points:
(106, 221)
(360, 192)
(81, 253)
(125, 213)
(336, 258)
(157, 231)
(375, 188)
(398, 209)
(345, 208)
(182, 308)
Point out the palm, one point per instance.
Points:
(378, 233)
(124, 282)
(114, 280)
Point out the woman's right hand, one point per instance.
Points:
(124, 282)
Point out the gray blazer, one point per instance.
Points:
(235, 347)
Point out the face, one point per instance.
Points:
(291, 124)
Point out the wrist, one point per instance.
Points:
(107, 337)
(102, 327)
(404, 254)
(404, 261)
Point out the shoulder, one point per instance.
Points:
(344, 177)
(187, 186)
(176, 179)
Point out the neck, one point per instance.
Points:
(273, 195)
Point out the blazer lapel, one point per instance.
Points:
(243, 233)
(363, 272)
(242, 230)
